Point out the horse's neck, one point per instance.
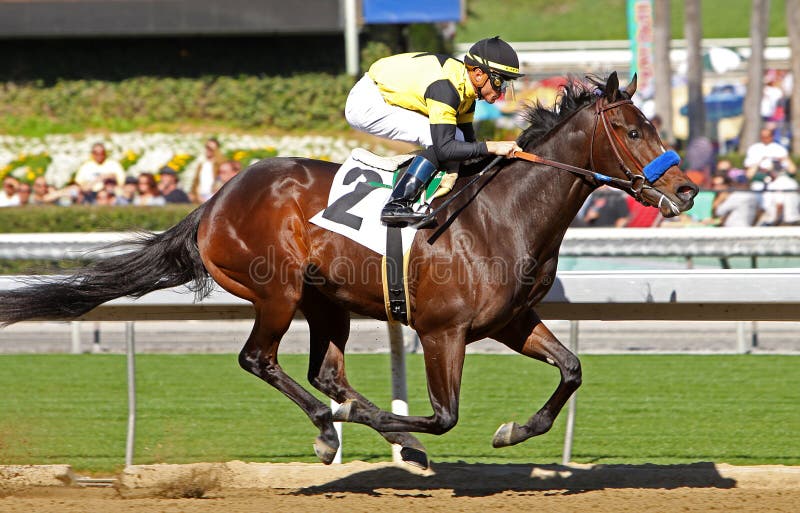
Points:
(548, 198)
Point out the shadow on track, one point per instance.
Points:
(477, 479)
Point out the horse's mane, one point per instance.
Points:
(573, 96)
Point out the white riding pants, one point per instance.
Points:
(366, 110)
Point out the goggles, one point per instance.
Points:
(498, 83)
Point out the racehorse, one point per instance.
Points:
(478, 273)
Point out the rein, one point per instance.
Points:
(531, 157)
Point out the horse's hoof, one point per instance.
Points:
(415, 457)
(503, 435)
(325, 451)
(342, 413)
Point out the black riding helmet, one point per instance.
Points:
(496, 58)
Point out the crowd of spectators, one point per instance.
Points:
(103, 181)
(763, 191)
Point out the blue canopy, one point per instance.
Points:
(411, 11)
(719, 105)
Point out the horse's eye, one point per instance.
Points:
(634, 134)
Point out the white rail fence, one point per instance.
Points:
(578, 242)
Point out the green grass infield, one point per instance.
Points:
(72, 409)
(591, 20)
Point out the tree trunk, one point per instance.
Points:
(662, 34)
(693, 31)
(759, 16)
(793, 28)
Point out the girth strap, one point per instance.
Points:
(395, 292)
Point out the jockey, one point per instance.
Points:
(429, 99)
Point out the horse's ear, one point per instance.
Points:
(631, 89)
(612, 87)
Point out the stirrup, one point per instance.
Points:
(401, 218)
(406, 217)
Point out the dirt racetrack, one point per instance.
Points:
(238, 487)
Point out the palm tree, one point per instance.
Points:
(793, 28)
(693, 31)
(662, 35)
(759, 17)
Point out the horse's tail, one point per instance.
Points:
(160, 261)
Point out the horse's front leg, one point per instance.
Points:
(528, 335)
(444, 363)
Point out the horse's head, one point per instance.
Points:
(626, 145)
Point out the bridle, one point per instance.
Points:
(635, 184)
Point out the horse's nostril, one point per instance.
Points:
(688, 191)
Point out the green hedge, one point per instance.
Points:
(299, 102)
(90, 218)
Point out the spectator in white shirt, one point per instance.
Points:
(207, 172)
(771, 98)
(9, 196)
(780, 200)
(91, 174)
(767, 150)
(734, 205)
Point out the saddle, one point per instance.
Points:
(395, 262)
(441, 183)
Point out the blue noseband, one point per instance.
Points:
(659, 165)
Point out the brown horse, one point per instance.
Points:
(479, 273)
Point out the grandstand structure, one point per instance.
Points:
(112, 40)
(80, 39)
(117, 39)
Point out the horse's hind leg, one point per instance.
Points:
(330, 326)
(260, 357)
(529, 336)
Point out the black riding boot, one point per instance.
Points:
(397, 211)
